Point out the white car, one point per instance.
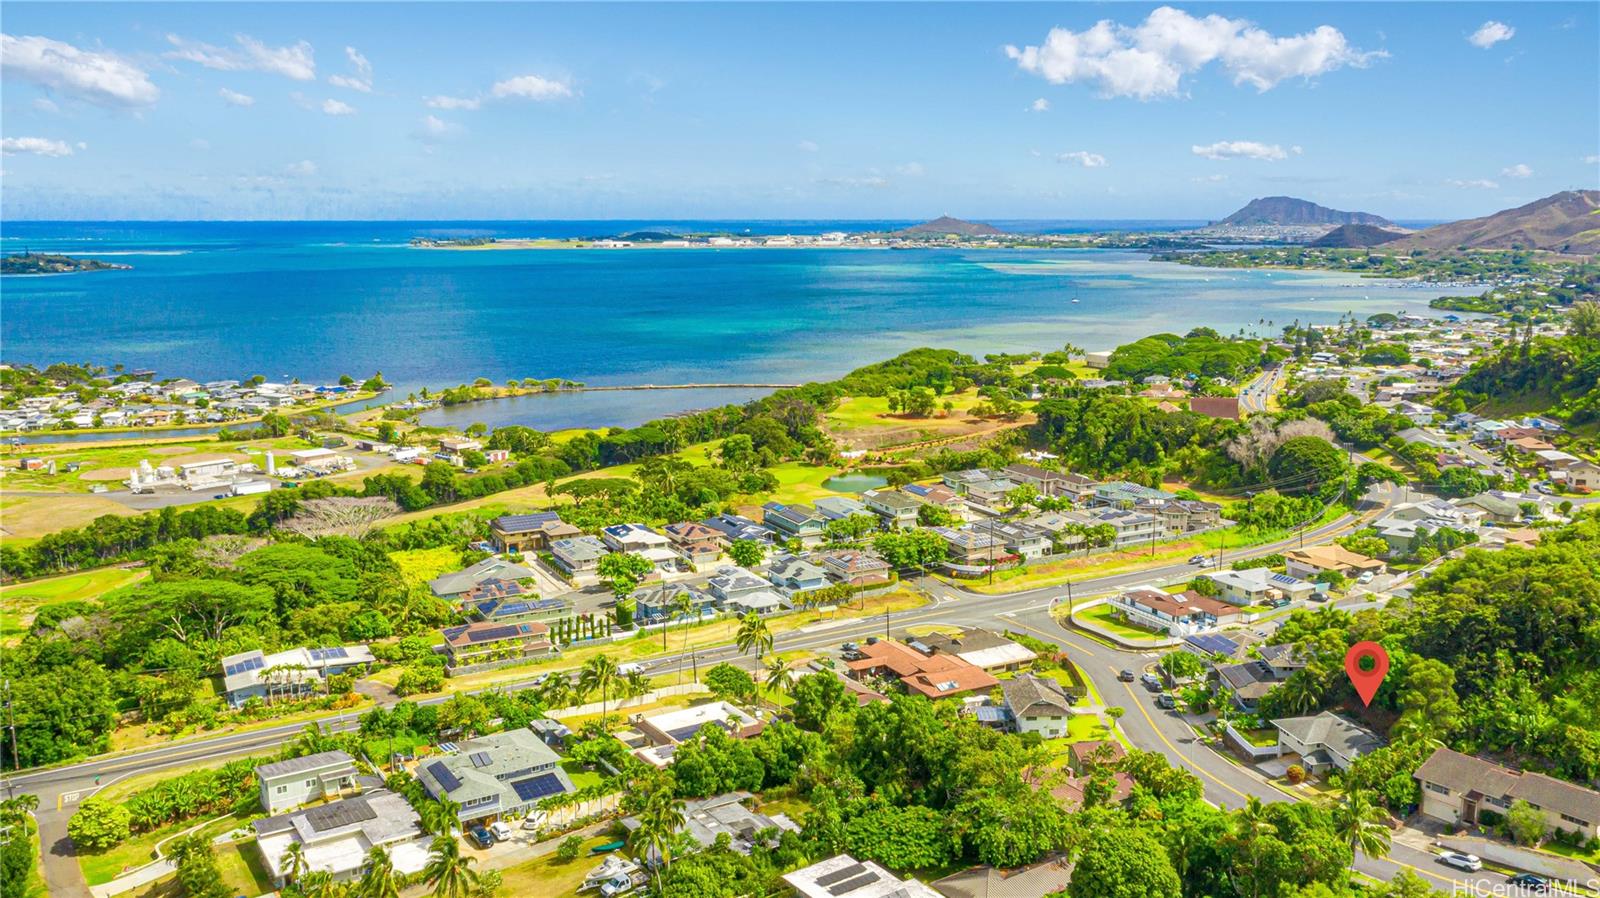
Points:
(500, 831)
(1365, 578)
(1461, 861)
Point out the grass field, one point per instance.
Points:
(1100, 615)
(108, 464)
(865, 422)
(549, 875)
(20, 601)
(24, 519)
(418, 566)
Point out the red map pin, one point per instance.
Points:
(1366, 681)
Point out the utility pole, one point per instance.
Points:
(11, 723)
(1069, 600)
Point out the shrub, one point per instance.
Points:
(1295, 774)
(569, 849)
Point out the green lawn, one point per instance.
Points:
(418, 566)
(379, 750)
(549, 876)
(242, 869)
(20, 601)
(581, 778)
(1101, 616)
(104, 866)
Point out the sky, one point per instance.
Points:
(378, 110)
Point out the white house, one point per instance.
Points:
(297, 781)
(1036, 705)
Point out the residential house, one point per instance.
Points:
(1036, 705)
(1494, 508)
(739, 591)
(1307, 563)
(579, 555)
(1050, 876)
(1180, 516)
(981, 648)
(939, 496)
(636, 538)
(660, 601)
(1215, 406)
(1259, 586)
(1122, 494)
(695, 541)
(662, 733)
(517, 609)
(795, 521)
(1458, 788)
(1246, 682)
(897, 510)
(292, 673)
(972, 544)
(932, 675)
(481, 644)
(1047, 482)
(732, 527)
(1184, 614)
(795, 574)
(529, 532)
(705, 819)
(495, 775)
(335, 838)
(837, 508)
(855, 568)
(1022, 539)
(1128, 527)
(1324, 741)
(297, 781)
(458, 584)
(842, 876)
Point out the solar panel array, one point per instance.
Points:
(445, 776)
(492, 633)
(245, 666)
(340, 813)
(1284, 578)
(1210, 642)
(850, 885)
(329, 654)
(685, 733)
(480, 759)
(840, 875)
(537, 787)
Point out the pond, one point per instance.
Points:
(854, 483)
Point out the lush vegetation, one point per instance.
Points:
(1560, 376)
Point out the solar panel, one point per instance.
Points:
(479, 759)
(538, 786)
(340, 813)
(445, 776)
(843, 873)
(850, 885)
(683, 734)
(247, 664)
(492, 633)
(328, 654)
(1284, 578)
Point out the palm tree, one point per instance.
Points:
(380, 880)
(683, 606)
(439, 817)
(753, 634)
(599, 672)
(1250, 826)
(1301, 692)
(779, 676)
(294, 862)
(659, 823)
(448, 871)
(1361, 823)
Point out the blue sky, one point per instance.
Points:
(681, 110)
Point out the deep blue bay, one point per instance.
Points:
(320, 299)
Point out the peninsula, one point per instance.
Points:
(51, 263)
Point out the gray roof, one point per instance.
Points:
(304, 763)
(381, 816)
(1030, 696)
(580, 548)
(1329, 730)
(491, 766)
(526, 523)
(1464, 773)
(706, 818)
(491, 568)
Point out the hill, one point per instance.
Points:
(944, 224)
(1287, 210)
(1566, 222)
(1357, 235)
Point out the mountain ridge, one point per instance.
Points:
(1566, 222)
(944, 224)
(1293, 211)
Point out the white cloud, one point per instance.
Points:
(45, 104)
(443, 102)
(1149, 60)
(337, 107)
(100, 78)
(234, 98)
(1491, 33)
(1591, 160)
(305, 168)
(361, 79)
(911, 170)
(1040, 105)
(807, 146)
(37, 146)
(296, 61)
(433, 128)
(1297, 149)
(532, 87)
(874, 182)
(1473, 184)
(1240, 149)
(1085, 159)
(1210, 179)
(1520, 170)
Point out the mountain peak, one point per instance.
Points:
(944, 224)
(1565, 222)
(1288, 210)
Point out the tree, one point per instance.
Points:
(1181, 664)
(623, 572)
(294, 862)
(1362, 824)
(197, 868)
(1307, 465)
(746, 553)
(99, 824)
(448, 871)
(780, 679)
(1115, 714)
(753, 635)
(1525, 822)
(659, 822)
(569, 849)
(1124, 863)
(726, 681)
(816, 697)
(599, 673)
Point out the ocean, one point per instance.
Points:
(316, 300)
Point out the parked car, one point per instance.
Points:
(500, 831)
(1461, 861)
(480, 837)
(1366, 577)
(1126, 676)
(1166, 702)
(1529, 884)
(630, 668)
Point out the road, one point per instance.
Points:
(1227, 784)
(1257, 393)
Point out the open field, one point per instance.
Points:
(20, 601)
(109, 464)
(418, 566)
(865, 422)
(548, 875)
(30, 517)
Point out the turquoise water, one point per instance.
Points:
(317, 300)
(855, 483)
